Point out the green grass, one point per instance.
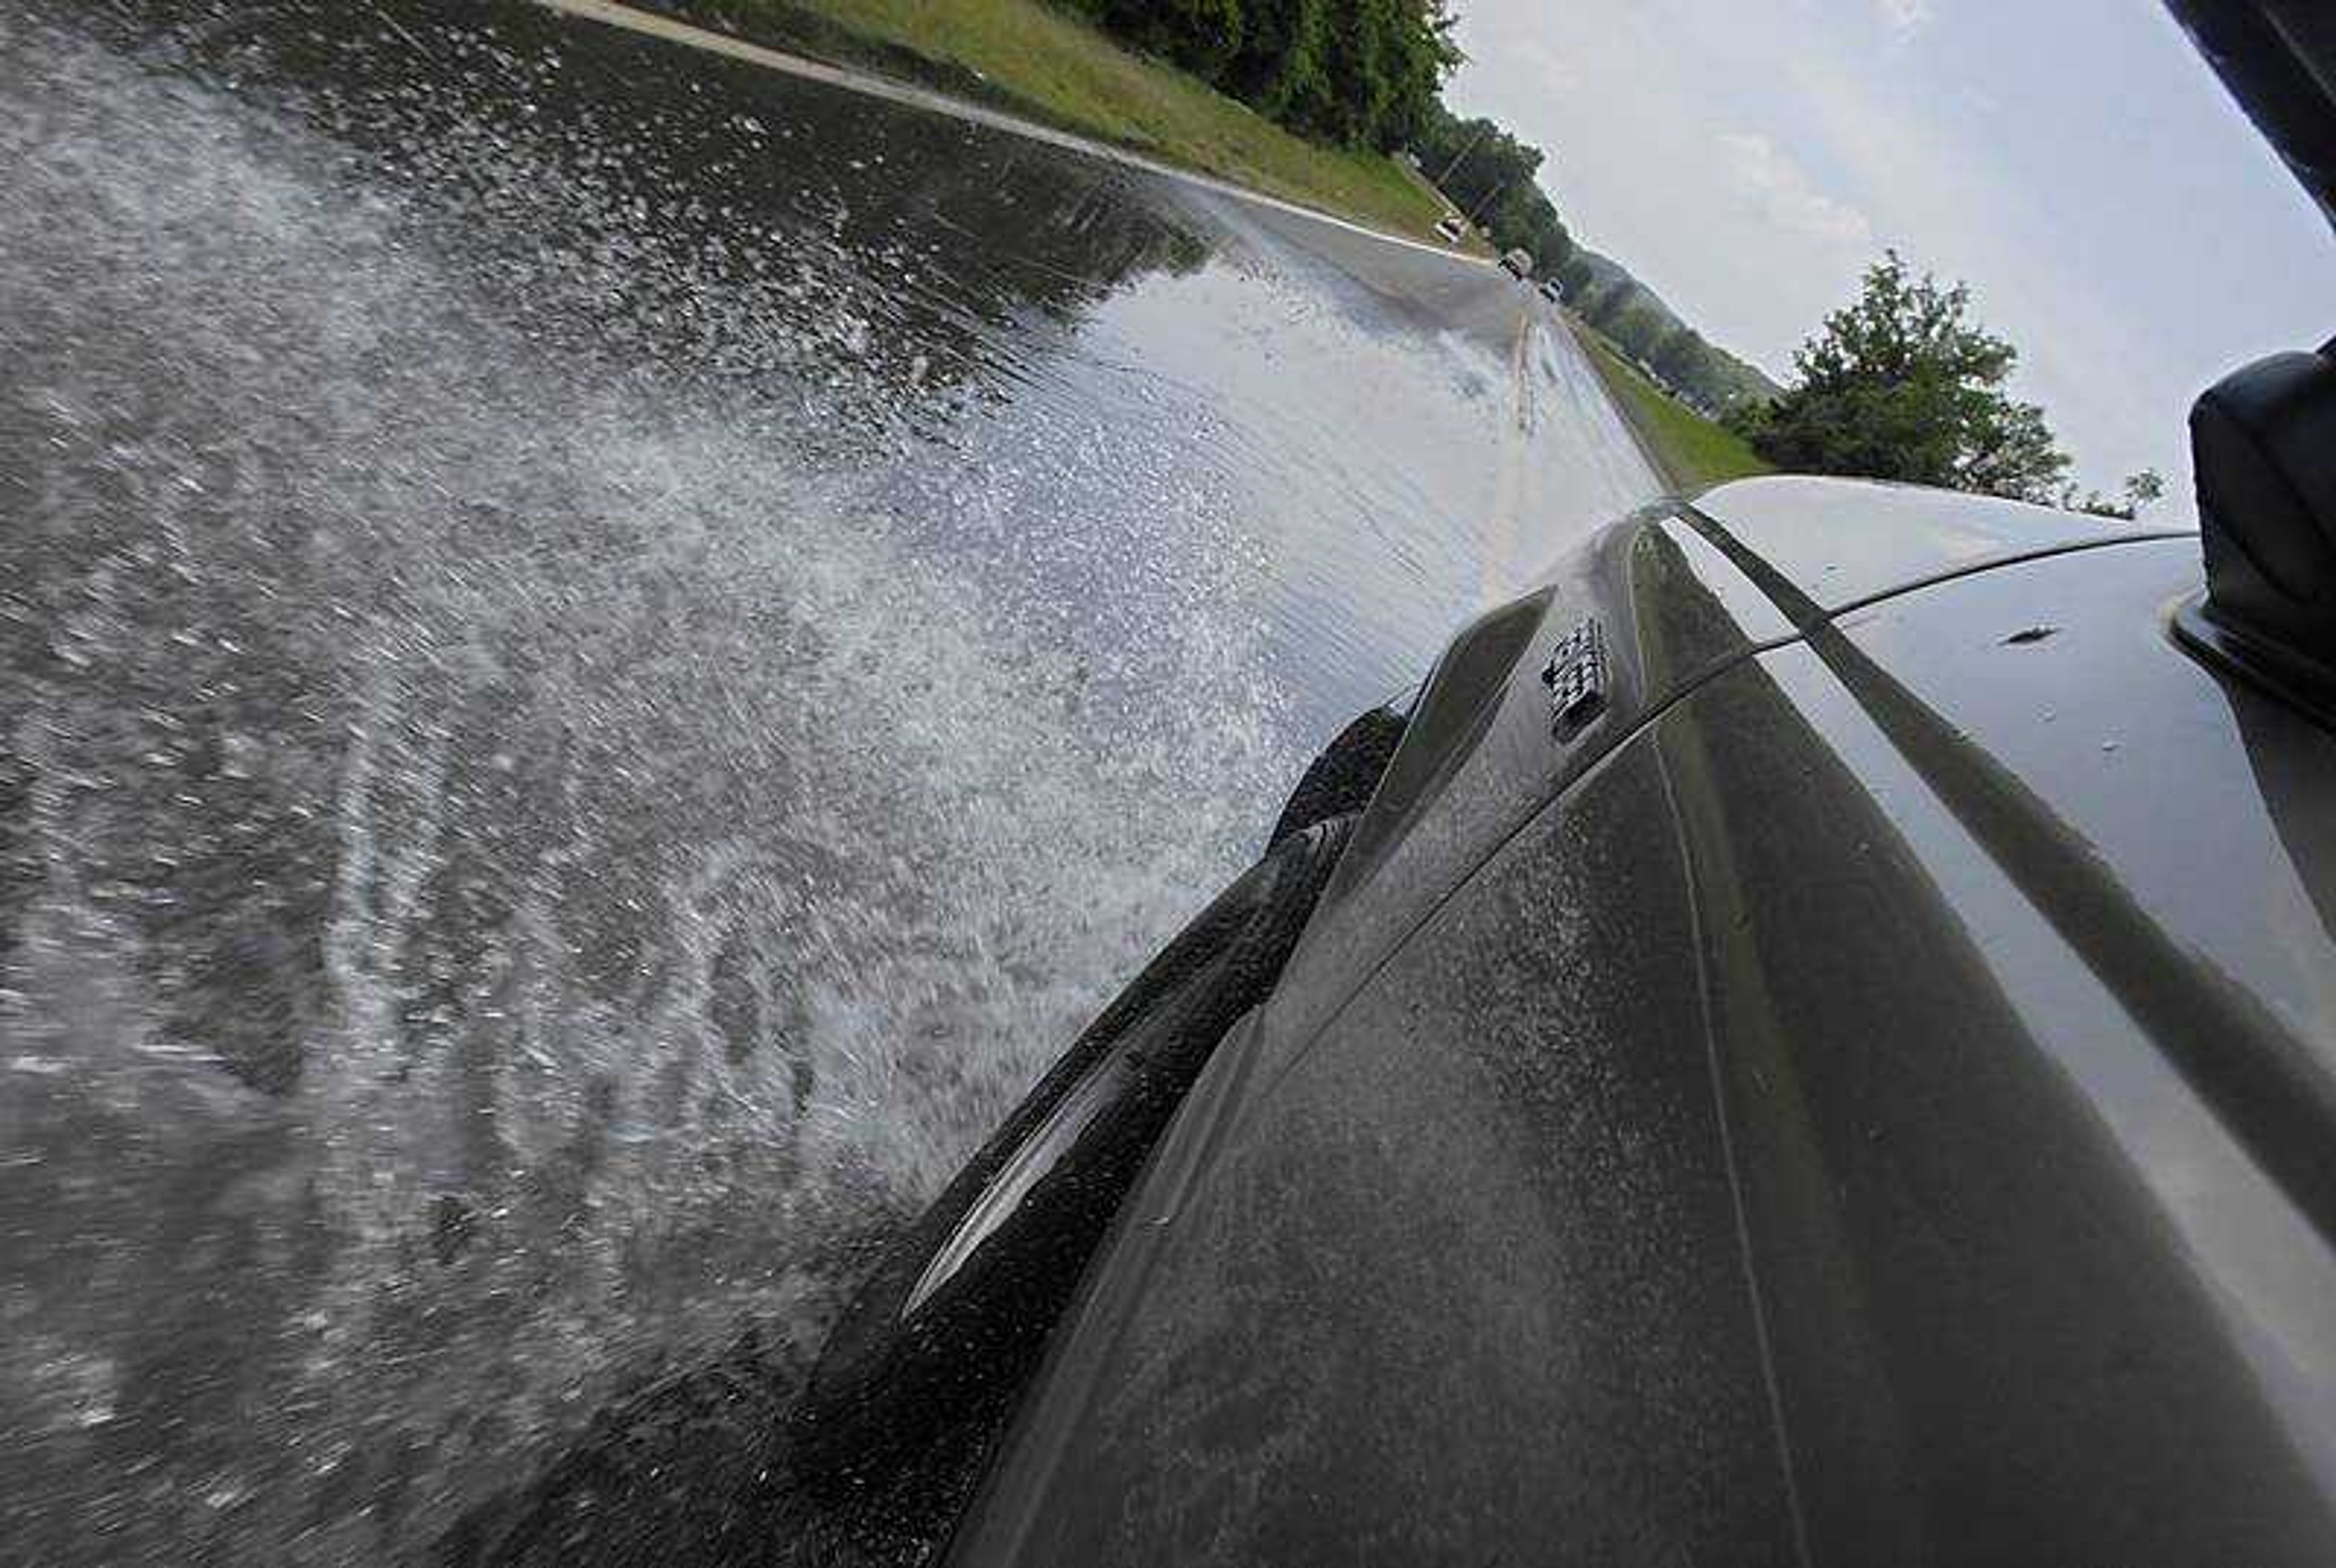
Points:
(1024, 55)
(1691, 452)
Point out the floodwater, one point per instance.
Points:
(605, 651)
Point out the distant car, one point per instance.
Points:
(1453, 227)
(1518, 263)
(1552, 290)
(1808, 1039)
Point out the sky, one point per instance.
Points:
(2075, 160)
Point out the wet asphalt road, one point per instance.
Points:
(605, 651)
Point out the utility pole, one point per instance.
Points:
(1460, 157)
(1485, 200)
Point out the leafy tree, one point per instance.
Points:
(1677, 354)
(1636, 325)
(1478, 163)
(1900, 385)
(2133, 497)
(1271, 31)
(1362, 73)
(1390, 57)
(1485, 171)
(1296, 87)
(1201, 35)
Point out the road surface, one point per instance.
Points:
(607, 649)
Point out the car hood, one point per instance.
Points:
(1876, 1101)
(1675, 594)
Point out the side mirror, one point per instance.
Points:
(2263, 441)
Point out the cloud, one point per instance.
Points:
(2022, 147)
(1549, 71)
(1775, 188)
(1904, 15)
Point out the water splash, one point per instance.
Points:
(512, 842)
(592, 688)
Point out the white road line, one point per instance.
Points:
(654, 25)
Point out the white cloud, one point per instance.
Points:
(1551, 72)
(1764, 177)
(1904, 15)
(2021, 147)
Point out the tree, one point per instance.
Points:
(1488, 173)
(1201, 35)
(1678, 355)
(1637, 326)
(2135, 495)
(1361, 72)
(1901, 384)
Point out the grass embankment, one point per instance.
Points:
(1025, 56)
(1691, 452)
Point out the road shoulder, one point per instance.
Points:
(882, 70)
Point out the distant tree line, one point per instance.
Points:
(1369, 73)
(1358, 73)
(1636, 320)
(1493, 177)
(1899, 384)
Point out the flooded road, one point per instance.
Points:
(606, 651)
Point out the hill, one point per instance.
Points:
(1604, 293)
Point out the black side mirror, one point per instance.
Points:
(2263, 441)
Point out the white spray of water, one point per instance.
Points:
(514, 857)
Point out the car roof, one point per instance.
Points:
(1840, 542)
